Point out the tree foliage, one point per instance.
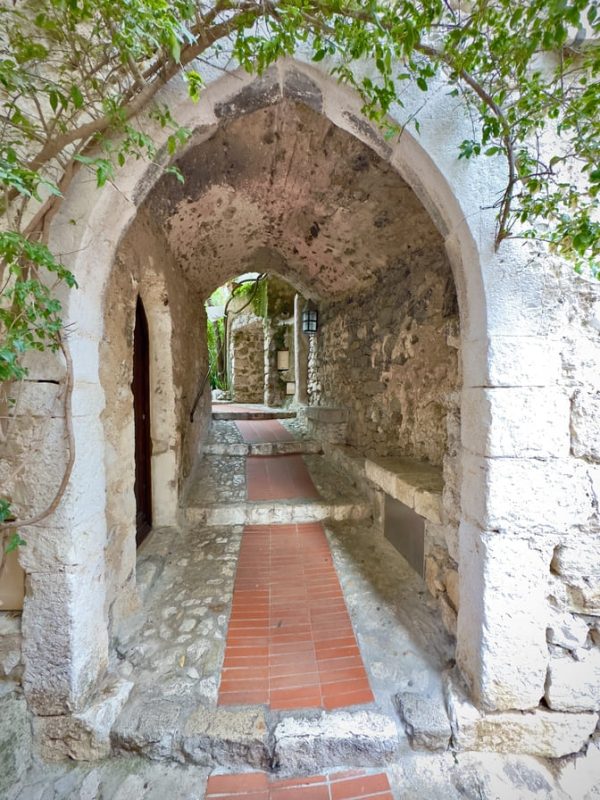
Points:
(75, 76)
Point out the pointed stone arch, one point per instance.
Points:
(506, 301)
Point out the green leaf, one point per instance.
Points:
(76, 96)
(14, 542)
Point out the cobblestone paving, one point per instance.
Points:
(218, 479)
(176, 644)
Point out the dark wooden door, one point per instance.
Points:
(141, 409)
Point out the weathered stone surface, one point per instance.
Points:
(425, 720)
(567, 630)
(228, 738)
(509, 421)
(11, 664)
(247, 357)
(549, 734)
(559, 495)
(299, 87)
(497, 625)
(128, 778)
(574, 684)
(84, 736)
(579, 777)
(15, 740)
(363, 738)
(151, 726)
(585, 432)
(260, 93)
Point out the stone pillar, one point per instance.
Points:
(300, 355)
(520, 490)
(65, 630)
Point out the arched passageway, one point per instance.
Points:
(284, 176)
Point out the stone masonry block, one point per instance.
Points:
(585, 431)
(501, 648)
(558, 494)
(84, 736)
(540, 732)
(516, 422)
(574, 684)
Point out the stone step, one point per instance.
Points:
(253, 414)
(298, 743)
(273, 512)
(299, 446)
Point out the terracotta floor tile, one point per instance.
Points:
(354, 785)
(278, 478)
(263, 430)
(365, 786)
(219, 784)
(289, 645)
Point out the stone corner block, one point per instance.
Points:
(540, 732)
(425, 720)
(84, 736)
(360, 738)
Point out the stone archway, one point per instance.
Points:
(508, 307)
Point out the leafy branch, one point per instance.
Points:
(79, 81)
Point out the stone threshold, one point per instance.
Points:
(299, 447)
(273, 414)
(275, 512)
(252, 737)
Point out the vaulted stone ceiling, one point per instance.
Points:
(283, 190)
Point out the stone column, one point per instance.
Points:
(300, 355)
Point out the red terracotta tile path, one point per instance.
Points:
(264, 430)
(355, 785)
(278, 478)
(290, 642)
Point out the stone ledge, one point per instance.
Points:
(271, 513)
(301, 446)
(416, 484)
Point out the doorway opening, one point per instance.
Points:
(141, 410)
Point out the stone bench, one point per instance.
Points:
(415, 483)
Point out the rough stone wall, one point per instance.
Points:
(247, 345)
(384, 353)
(145, 266)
